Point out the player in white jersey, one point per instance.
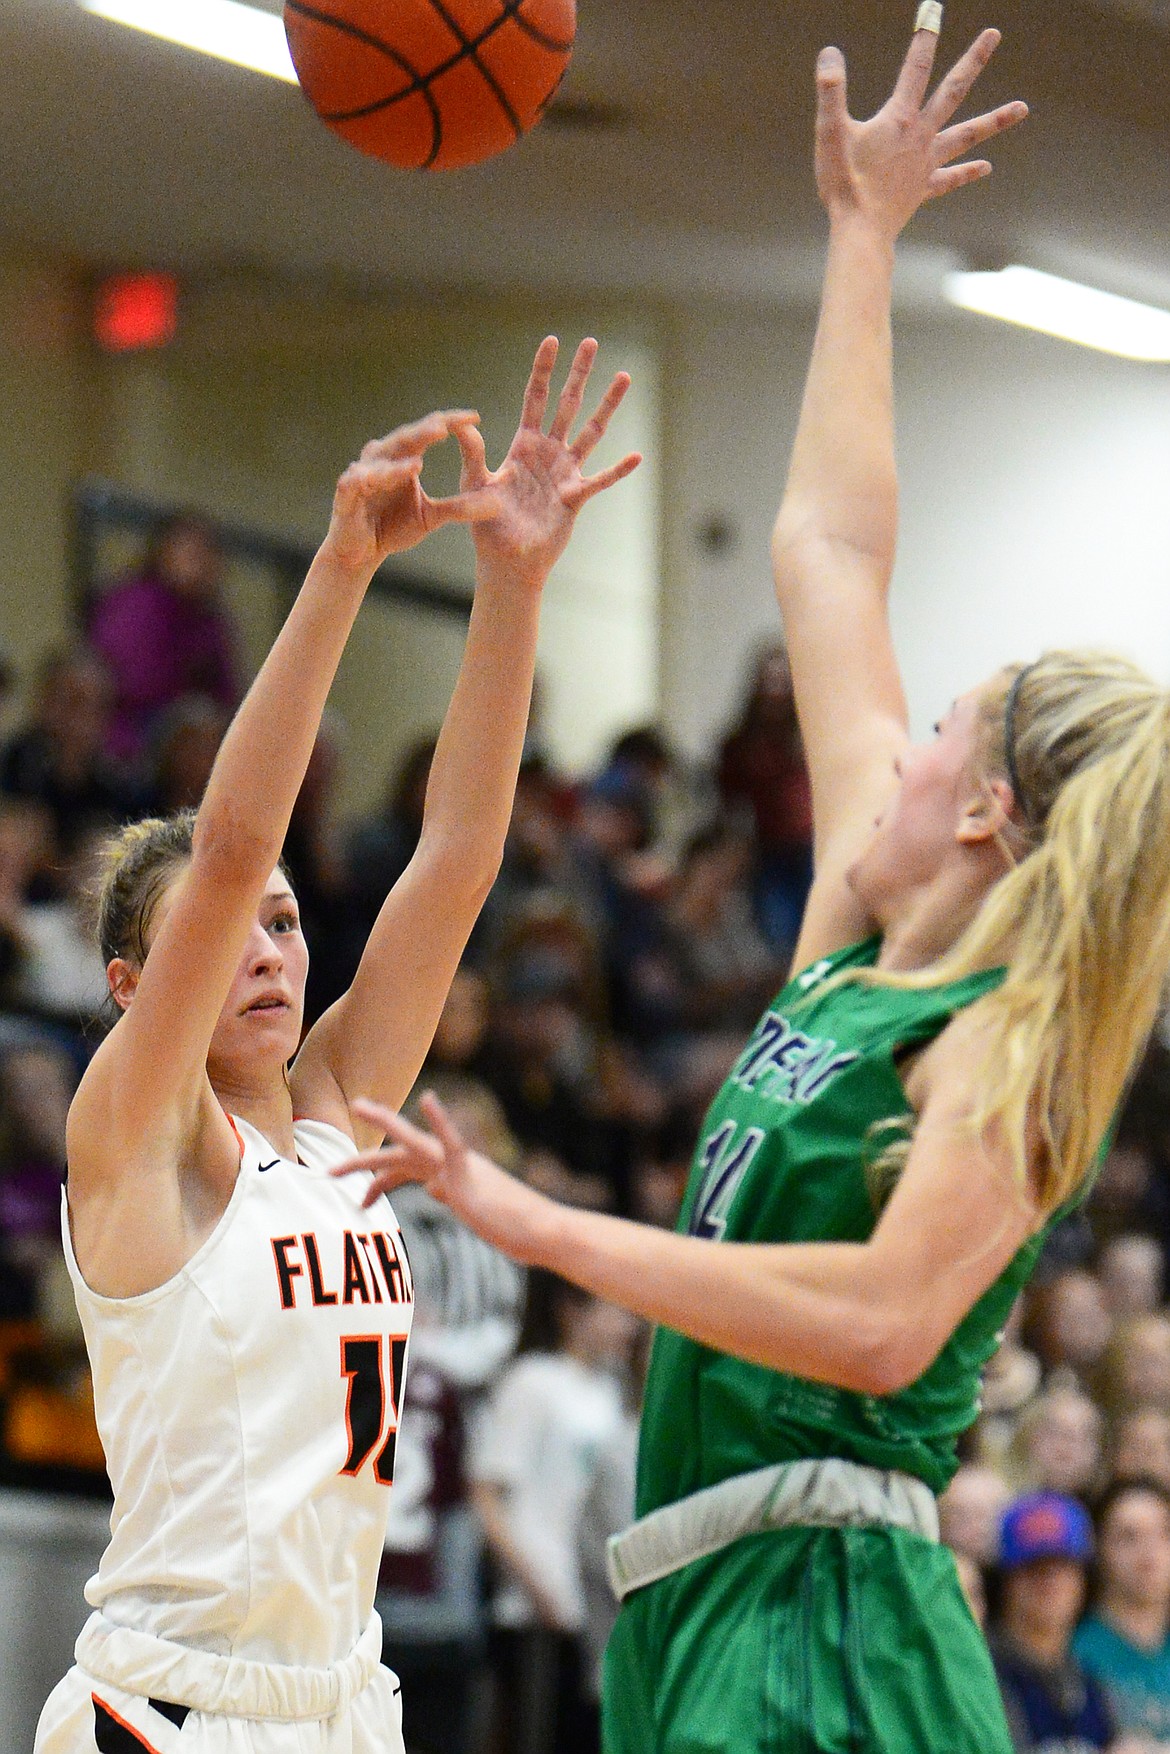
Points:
(247, 1314)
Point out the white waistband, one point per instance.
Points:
(832, 1492)
(229, 1686)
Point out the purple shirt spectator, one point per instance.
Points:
(164, 633)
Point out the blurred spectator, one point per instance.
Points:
(970, 1512)
(381, 846)
(726, 966)
(36, 1085)
(1132, 1191)
(1135, 1371)
(313, 858)
(761, 765)
(1124, 1641)
(606, 1509)
(164, 632)
(183, 746)
(462, 1027)
(530, 1464)
(1141, 1447)
(974, 1587)
(1058, 1443)
(25, 840)
(1131, 1270)
(59, 759)
(469, 1303)
(1011, 1381)
(567, 1087)
(1052, 1705)
(428, 1586)
(1069, 1323)
(62, 976)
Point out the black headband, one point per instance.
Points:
(1009, 739)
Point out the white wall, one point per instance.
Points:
(265, 395)
(1035, 503)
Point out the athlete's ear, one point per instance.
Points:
(123, 979)
(986, 814)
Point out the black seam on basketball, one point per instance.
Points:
(471, 48)
(542, 37)
(418, 85)
(548, 98)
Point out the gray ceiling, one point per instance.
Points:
(118, 148)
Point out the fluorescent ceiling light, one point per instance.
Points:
(1065, 309)
(225, 28)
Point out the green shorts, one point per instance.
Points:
(804, 1641)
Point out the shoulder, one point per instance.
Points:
(322, 1144)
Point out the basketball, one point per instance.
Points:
(430, 84)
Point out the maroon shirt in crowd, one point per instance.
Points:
(159, 645)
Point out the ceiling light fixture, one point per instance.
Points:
(1066, 309)
(227, 29)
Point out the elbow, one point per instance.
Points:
(890, 1350)
(467, 876)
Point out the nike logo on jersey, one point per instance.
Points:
(261, 1167)
(368, 1267)
(785, 1065)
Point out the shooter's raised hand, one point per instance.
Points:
(380, 507)
(887, 167)
(541, 486)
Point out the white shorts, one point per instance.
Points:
(87, 1716)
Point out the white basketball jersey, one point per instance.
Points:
(249, 1410)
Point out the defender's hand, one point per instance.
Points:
(489, 1200)
(884, 169)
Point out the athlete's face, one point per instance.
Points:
(941, 804)
(261, 1018)
(260, 1024)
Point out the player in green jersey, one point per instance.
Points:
(979, 967)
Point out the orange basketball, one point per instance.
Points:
(430, 84)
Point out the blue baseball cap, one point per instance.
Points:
(1045, 1525)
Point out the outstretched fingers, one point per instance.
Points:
(832, 95)
(573, 394)
(442, 1126)
(539, 383)
(953, 142)
(917, 68)
(592, 485)
(954, 88)
(957, 176)
(594, 428)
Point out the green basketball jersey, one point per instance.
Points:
(782, 1158)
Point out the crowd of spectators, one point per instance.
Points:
(642, 917)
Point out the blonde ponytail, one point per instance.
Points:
(1082, 921)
